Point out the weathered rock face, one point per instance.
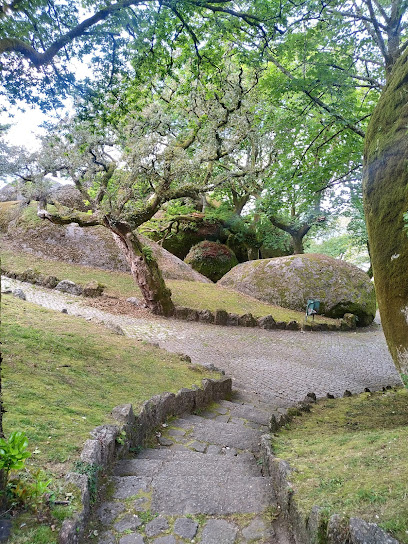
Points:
(211, 259)
(69, 196)
(8, 193)
(171, 266)
(289, 281)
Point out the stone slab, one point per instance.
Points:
(218, 530)
(107, 538)
(129, 522)
(256, 530)
(156, 526)
(137, 467)
(109, 511)
(226, 434)
(185, 528)
(249, 413)
(168, 539)
(222, 418)
(213, 449)
(191, 463)
(133, 538)
(5, 529)
(198, 446)
(155, 454)
(128, 486)
(176, 432)
(219, 495)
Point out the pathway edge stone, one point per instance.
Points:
(110, 442)
(219, 317)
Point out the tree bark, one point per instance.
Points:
(253, 253)
(297, 234)
(143, 265)
(297, 242)
(145, 271)
(385, 193)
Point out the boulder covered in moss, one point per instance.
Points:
(211, 259)
(289, 281)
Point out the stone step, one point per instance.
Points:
(250, 413)
(218, 493)
(264, 407)
(232, 435)
(188, 464)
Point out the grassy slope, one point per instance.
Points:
(63, 375)
(351, 457)
(204, 296)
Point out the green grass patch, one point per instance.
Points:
(201, 296)
(351, 458)
(63, 375)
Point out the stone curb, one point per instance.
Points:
(110, 442)
(219, 317)
(92, 289)
(222, 317)
(314, 528)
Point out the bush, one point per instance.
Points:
(211, 259)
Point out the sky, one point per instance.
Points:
(25, 127)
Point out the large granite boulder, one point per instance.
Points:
(289, 281)
(211, 259)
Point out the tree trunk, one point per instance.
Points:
(253, 253)
(145, 271)
(41, 204)
(297, 234)
(385, 193)
(297, 243)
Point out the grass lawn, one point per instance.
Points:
(201, 296)
(62, 376)
(351, 458)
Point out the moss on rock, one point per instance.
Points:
(290, 281)
(385, 191)
(211, 259)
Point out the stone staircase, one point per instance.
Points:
(203, 483)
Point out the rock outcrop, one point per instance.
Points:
(289, 281)
(211, 259)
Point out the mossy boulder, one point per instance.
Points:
(211, 259)
(289, 281)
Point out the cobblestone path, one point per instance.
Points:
(203, 483)
(277, 367)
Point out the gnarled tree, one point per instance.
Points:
(174, 147)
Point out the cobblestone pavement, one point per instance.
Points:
(276, 366)
(203, 483)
